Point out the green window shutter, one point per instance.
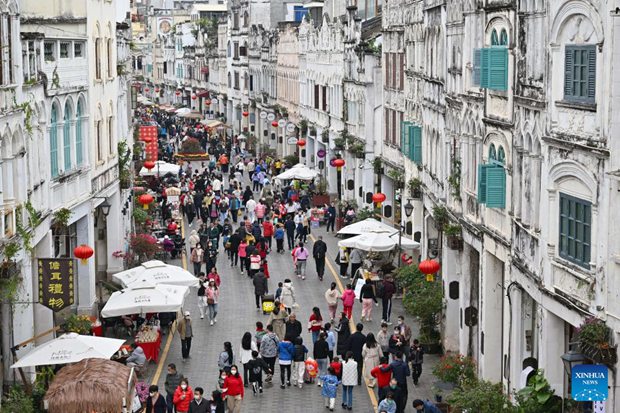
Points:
(54, 142)
(496, 187)
(568, 71)
(498, 68)
(484, 68)
(404, 138)
(482, 183)
(410, 134)
(591, 73)
(66, 136)
(476, 72)
(416, 155)
(78, 135)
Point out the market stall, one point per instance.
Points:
(366, 226)
(92, 386)
(145, 297)
(161, 168)
(149, 338)
(156, 272)
(299, 171)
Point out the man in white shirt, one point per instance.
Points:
(250, 209)
(217, 186)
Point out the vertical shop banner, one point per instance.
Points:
(148, 134)
(589, 382)
(56, 282)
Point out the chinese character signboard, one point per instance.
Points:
(589, 382)
(56, 282)
(148, 134)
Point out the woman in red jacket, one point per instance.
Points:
(183, 395)
(233, 390)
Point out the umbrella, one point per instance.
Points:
(377, 241)
(191, 115)
(161, 168)
(212, 123)
(156, 272)
(367, 225)
(299, 171)
(144, 297)
(70, 348)
(183, 111)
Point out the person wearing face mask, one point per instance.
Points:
(383, 338)
(182, 397)
(156, 402)
(186, 334)
(233, 390)
(216, 404)
(199, 404)
(173, 379)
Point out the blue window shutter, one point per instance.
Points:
(66, 137)
(592, 73)
(482, 183)
(568, 71)
(78, 135)
(54, 142)
(417, 145)
(484, 68)
(498, 68)
(496, 187)
(410, 134)
(476, 72)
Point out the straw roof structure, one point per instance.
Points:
(91, 386)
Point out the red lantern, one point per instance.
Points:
(178, 93)
(149, 165)
(378, 197)
(83, 252)
(148, 139)
(339, 162)
(147, 90)
(429, 267)
(246, 114)
(145, 200)
(156, 90)
(194, 97)
(301, 143)
(208, 102)
(274, 124)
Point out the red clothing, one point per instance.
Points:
(337, 366)
(182, 405)
(317, 327)
(216, 277)
(383, 378)
(267, 229)
(233, 386)
(266, 269)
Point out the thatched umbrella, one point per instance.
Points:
(91, 386)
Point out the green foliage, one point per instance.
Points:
(124, 160)
(191, 145)
(291, 160)
(139, 216)
(10, 250)
(594, 331)
(455, 368)
(397, 176)
(17, 401)
(377, 165)
(440, 215)
(452, 230)
(9, 287)
(61, 217)
(481, 396)
(340, 143)
(365, 213)
(455, 179)
(303, 126)
(324, 135)
(34, 216)
(80, 324)
(538, 396)
(24, 233)
(358, 148)
(414, 184)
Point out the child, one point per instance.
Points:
(279, 236)
(330, 388)
(388, 405)
(279, 291)
(266, 268)
(256, 366)
(336, 366)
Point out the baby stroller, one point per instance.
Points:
(268, 303)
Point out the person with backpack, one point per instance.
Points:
(319, 251)
(342, 259)
(386, 292)
(269, 349)
(299, 362)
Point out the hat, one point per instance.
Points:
(187, 314)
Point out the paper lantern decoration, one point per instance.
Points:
(83, 252)
(338, 162)
(429, 268)
(378, 197)
(156, 90)
(406, 259)
(194, 97)
(301, 143)
(178, 93)
(208, 102)
(246, 114)
(149, 165)
(145, 200)
(274, 124)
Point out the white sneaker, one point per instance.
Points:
(201, 317)
(211, 323)
(215, 320)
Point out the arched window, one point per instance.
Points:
(492, 153)
(79, 150)
(54, 141)
(501, 155)
(66, 136)
(229, 80)
(503, 38)
(494, 38)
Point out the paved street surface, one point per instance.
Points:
(237, 314)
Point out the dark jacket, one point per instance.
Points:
(256, 367)
(260, 284)
(389, 288)
(367, 291)
(172, 382)
(320, 350)
(344, 332)
(319, 250)
(203, 407)
(300, 352)
(159, 407)
(235, 240)
(356, 343)
(400, 371)
(416, 354)
(293, 329)
(289, 225)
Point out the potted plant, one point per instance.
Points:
(594, 342)
(481, 396)
(538, 396)
(398, 177)
(80, 324)
(303, 126)
(321, 197)
(377, 166)
(455, 369)
(415, 188)
(440, 215)
(325, 136)
(339, 143)
(61, 218)
(454, 237)
(312, 131)
(358, 149)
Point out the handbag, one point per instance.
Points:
(210, 301)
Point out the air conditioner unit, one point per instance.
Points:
(433, 247)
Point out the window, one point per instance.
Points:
(49, 51)
(324, 94)
(79, 150)
(54, 142)
(243, 50)
(494, 38)
(235, 21)
(237, 80)
(111, 59)
(316, 96)
(494, 68)
(300, 12)
(388, 68)
(236, 50)
(575, 227)
(64, 50)
(251, 83)
(165, 68)
(78, 49)
(98, 59)
(476, 67)
(580, 73)
(411, 141)
(110, 135)
(98, 141)
(246, 19)
(66, 136)
(503, 38)
(492, 179)
(6, 50)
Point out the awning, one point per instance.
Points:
(213, 123)
(192, 115)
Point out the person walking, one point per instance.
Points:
(400, 372)
(243, 255)
(387, 404)
(383, 338)
(356, 344)
(257, 365)
(367, 297)
(255, 263)
(416, 357)
(405, 330)
(388, 291)
(289, 225)
(269, 350)
(382, 377)
(156, 402)
(330, 337)
(371, 353)
(319, 251)
(320, 352)
(279, 236)
(286, 353)
(193, 240)
(332, 295)
(348, 299)
(233, 248)
(248, 345)
(331, 217)
(315, 324)
(293, 327)
(199, 404)
(212, 296)
(288, 296)
(186, 334)
(260, 288)
(349, 380)
(299, 362)
(356, 259)
(277, 320)
(425, 406)
(226, 357)
(173, 380)
(330, 388)
(268, 231)
(196, 258)
(182, 397)
(202, 301)
(233, 390)
(342, 259)
(301, 257)
(344, 332)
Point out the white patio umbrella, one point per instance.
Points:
(70, 348)
(299, 171)
(144, 297)
(377, 241)
(161, 168)
(183, 111)
(156, 272)
(365, 226)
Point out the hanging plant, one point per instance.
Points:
(377, 165)
(398, 177)
(61, 218)
(455, 179)
(441, 217)
(594, 341)
(80, 324)
(324, 135)
(303, 126)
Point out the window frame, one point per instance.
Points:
(565, 238)
(589, 69)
